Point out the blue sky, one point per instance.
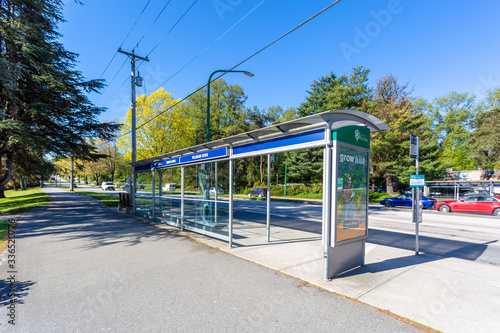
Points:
(438, 46)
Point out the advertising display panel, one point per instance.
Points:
(352, 193)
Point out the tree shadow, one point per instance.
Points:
(19, 290)
(430, 245)
(72, 216)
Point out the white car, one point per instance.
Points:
(168, 187)
(108, 186)
(219, 190)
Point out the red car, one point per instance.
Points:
(483, 204)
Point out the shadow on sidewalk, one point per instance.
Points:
(391, 264)
(431, 245)
(16, 291)
(72, 216)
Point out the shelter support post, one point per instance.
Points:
(268, 218)
(327, 200)
(231, 182)
(216, 194)
(182, 198)
(153, 196)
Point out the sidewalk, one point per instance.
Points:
(446, 294)
(81, 267)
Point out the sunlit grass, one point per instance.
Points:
(108, 200)
(19, 201)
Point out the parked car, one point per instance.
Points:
(475, 192)
(108, 186)
(168, 187)
(219, 191)
(406, 200)
(483, 204)
(258, 192)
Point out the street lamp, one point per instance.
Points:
(208, 94)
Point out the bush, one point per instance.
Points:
(377, 196)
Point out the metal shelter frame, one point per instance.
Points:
(308, 132)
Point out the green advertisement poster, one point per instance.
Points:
(352, 192)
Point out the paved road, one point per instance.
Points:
(466, 236)
(81, 267)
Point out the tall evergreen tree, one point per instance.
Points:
(452, 116)
(394, 105)
(330, 92)
(42, 97)
(484, 144)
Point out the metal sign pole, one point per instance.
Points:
(417, 205)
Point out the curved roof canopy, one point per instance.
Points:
(336, 119)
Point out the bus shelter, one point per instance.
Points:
(184, 188)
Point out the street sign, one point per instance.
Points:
(413, 146)
(417, 180)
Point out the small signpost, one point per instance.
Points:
(416, 182)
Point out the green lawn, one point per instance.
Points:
(108, 200)
(18, 201)
(3, 232)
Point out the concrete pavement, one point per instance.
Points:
(444, 293)
(81, 267)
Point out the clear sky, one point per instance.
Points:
(438, 46)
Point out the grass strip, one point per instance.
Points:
(108, 200)
(19, 201)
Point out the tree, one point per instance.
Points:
(227, 103)
(334, 92)
(394, 105)
(42, 98)
(452, 116)
(331, 92)
(163, 125)
(484, 144)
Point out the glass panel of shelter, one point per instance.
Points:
(168, 194)
(144, 194)
(206, 206)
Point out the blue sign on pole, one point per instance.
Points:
(417, 180)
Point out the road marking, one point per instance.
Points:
(257, 212)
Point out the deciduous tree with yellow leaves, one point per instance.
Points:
(163, 125)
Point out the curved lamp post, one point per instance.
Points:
(208, 94)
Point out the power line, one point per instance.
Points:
(245, 60)
(212, 43)
(109, 84)
(133, 26)
(161, 40)
(199, 54)
(156, 19)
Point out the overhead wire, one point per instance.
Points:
(206, 48)
(161, 40)
(212, 43)
(156, 19)
(128, 34)
(172, 28)
(241, 62)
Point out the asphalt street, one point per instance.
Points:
(465, 236)
(81, 267)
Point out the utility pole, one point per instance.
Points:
(133, 81)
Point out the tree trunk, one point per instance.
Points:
(8, 175)
(388, 183)
(71, 174)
